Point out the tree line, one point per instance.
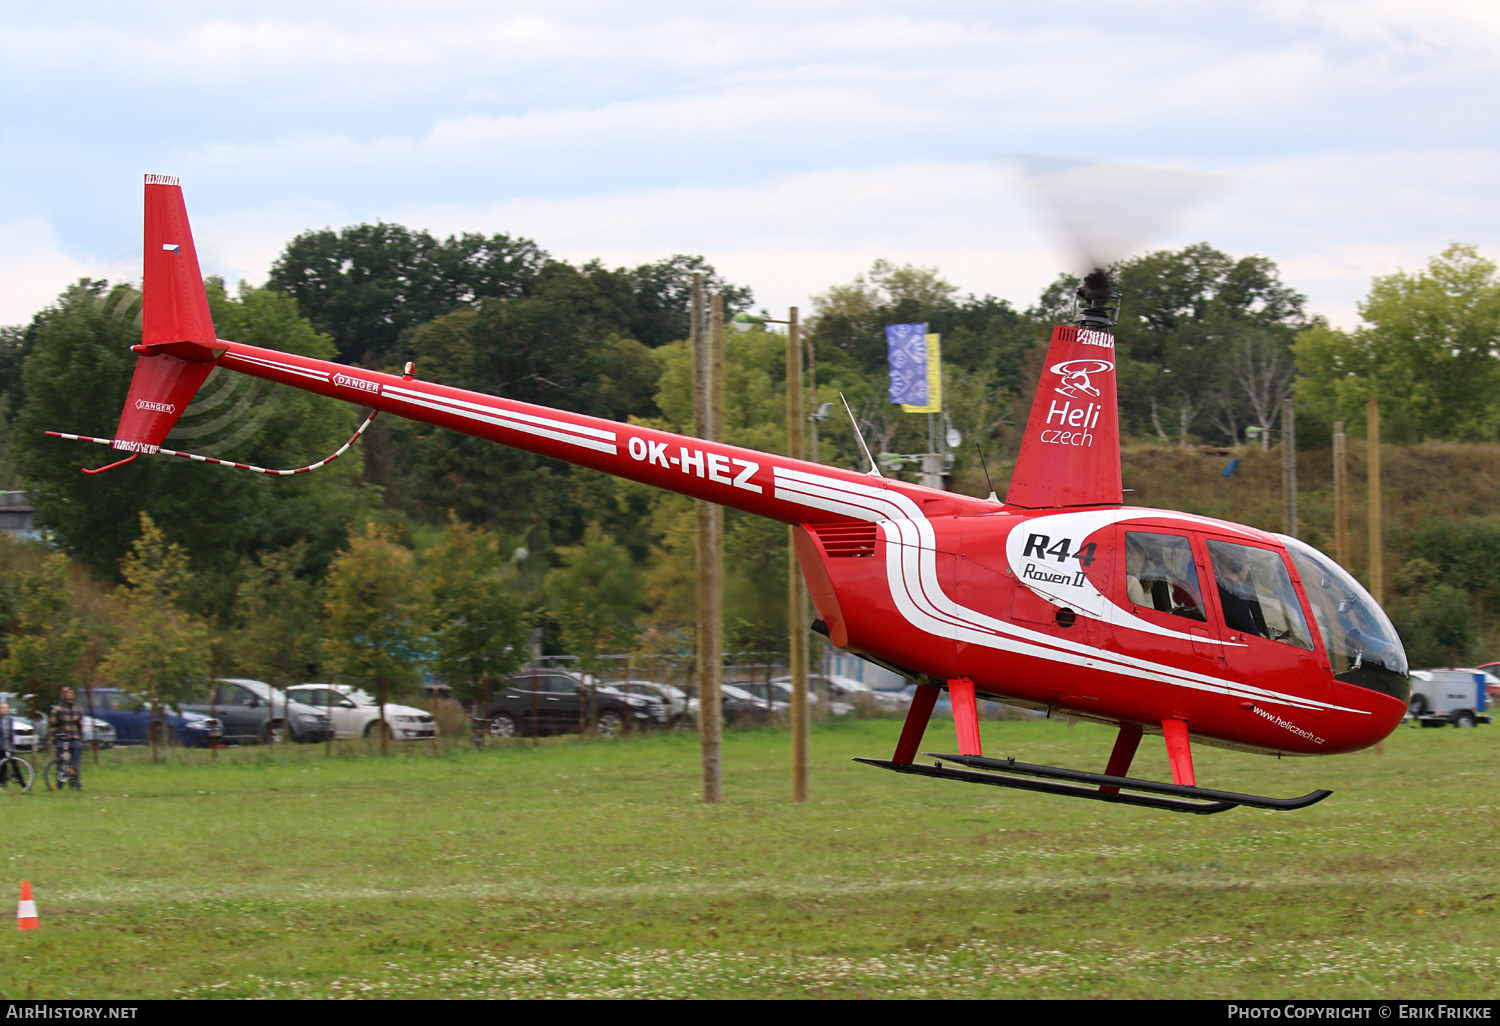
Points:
(1208, 345)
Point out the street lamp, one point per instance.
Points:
(743, 322)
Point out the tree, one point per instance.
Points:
(663, 290)
(376, 608)
(1263, 368)
(160, 648)
(76, 378)
(595, 596)
(1427, 349)
(367, 284)
(565, 344)
(49, 640)
(1438, 629)
(480, 621)
(851, 318)
(280, 614)
(1201, 335)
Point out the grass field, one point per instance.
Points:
(587, 868)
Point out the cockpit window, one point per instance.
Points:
(1256, 594)
(1160, 574)
(1361, 642)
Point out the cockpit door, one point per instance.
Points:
(1268, 640)
(1159, 589)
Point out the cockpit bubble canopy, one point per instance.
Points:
(1361, 642)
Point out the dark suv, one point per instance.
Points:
(547, 701)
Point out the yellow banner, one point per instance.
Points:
(934, 379)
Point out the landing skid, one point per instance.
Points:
(1203, 801)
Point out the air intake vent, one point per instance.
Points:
(847, 541)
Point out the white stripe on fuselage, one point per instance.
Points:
(286, 368)
(513, 420)
(911, 575)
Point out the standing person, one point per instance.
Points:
(67, 735)
(7, 739)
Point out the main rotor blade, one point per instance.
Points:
(1106, 210)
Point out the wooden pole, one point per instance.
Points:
(213, 713)
(796, 595)
(154, 718)
(385, 735)
(485, 726)
(1289, 467)
(1340, 495)
(88, 697)
(708, 404)
(1377, 546)
(328, 706)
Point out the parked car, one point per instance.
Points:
(549, 701)
(22, 733)
(354, 713)
(820, 695)
(781, 695)
(129, 719)
(253, 712)
(851, 692)
(741, 706)
(32, 737)
(1456, 696)
(675, 698)
(859, 693)
(1492, 684)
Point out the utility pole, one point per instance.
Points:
(1289, 466)
(1377, 547)
(708, 404)
(1340, 495)
(796, 597)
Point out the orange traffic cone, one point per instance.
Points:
(26, 910)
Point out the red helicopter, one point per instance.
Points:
(1061, 598)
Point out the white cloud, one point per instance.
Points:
(789, 143)
(1428, 28)
(35, 269)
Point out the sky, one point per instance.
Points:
(791, 144)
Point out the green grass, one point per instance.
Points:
(589, 868)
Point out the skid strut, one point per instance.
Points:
(1025, 776)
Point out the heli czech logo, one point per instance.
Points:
(357, 383)
(1076, 380)
(146, 404)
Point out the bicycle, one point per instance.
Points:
(481, 727)
(14, 769)
(59, 775)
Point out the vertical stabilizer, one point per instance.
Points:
(1070, 454)
(175, 307)
(177, 333)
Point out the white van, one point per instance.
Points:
(1450, 696)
